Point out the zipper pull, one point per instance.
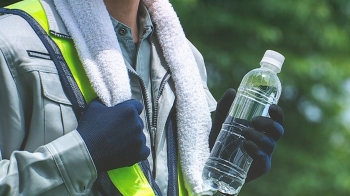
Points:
(153, 135)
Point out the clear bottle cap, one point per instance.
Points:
(273, 58)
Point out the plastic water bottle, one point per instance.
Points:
(228, 164)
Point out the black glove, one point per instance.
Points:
(113, 135)
(261, 141)
(222, 109)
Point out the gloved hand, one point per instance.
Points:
(261, 141)
(222, 109)
(113, 135)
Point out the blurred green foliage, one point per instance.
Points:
(313, 156)
(6, 2)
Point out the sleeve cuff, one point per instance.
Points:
(74, 163)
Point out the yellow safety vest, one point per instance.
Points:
(128, 180)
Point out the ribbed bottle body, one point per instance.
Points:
(227, 167)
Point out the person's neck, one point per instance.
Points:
(125, 11)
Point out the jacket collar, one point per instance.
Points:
(56, 25)
(58, 28)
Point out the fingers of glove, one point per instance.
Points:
(93, 106)
(97, 109)
(222, 109)
(96, 103)
(261, 141)
(135, 104)
(126, 159)
(130, 107)
(128, 147)
(142, 154)
(134, 138)
(139, 144)
(224, 105)
(276, 113)
(127, 116)
(261, 165)
(259, 156)
(212, 139)
(135, 154)
(268, 126)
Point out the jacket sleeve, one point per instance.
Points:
(61, 167)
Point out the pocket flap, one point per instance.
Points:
(52, 88)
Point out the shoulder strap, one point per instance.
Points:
(69, 85)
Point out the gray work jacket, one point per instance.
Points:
(55, 160)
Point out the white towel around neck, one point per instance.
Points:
(89, 24)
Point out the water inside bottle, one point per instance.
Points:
(227, 167)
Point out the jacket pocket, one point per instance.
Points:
(58, 113)
(52, 88)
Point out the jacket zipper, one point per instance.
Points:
(161, 88)
(155, 110)
(152, 121)
(147, 107)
